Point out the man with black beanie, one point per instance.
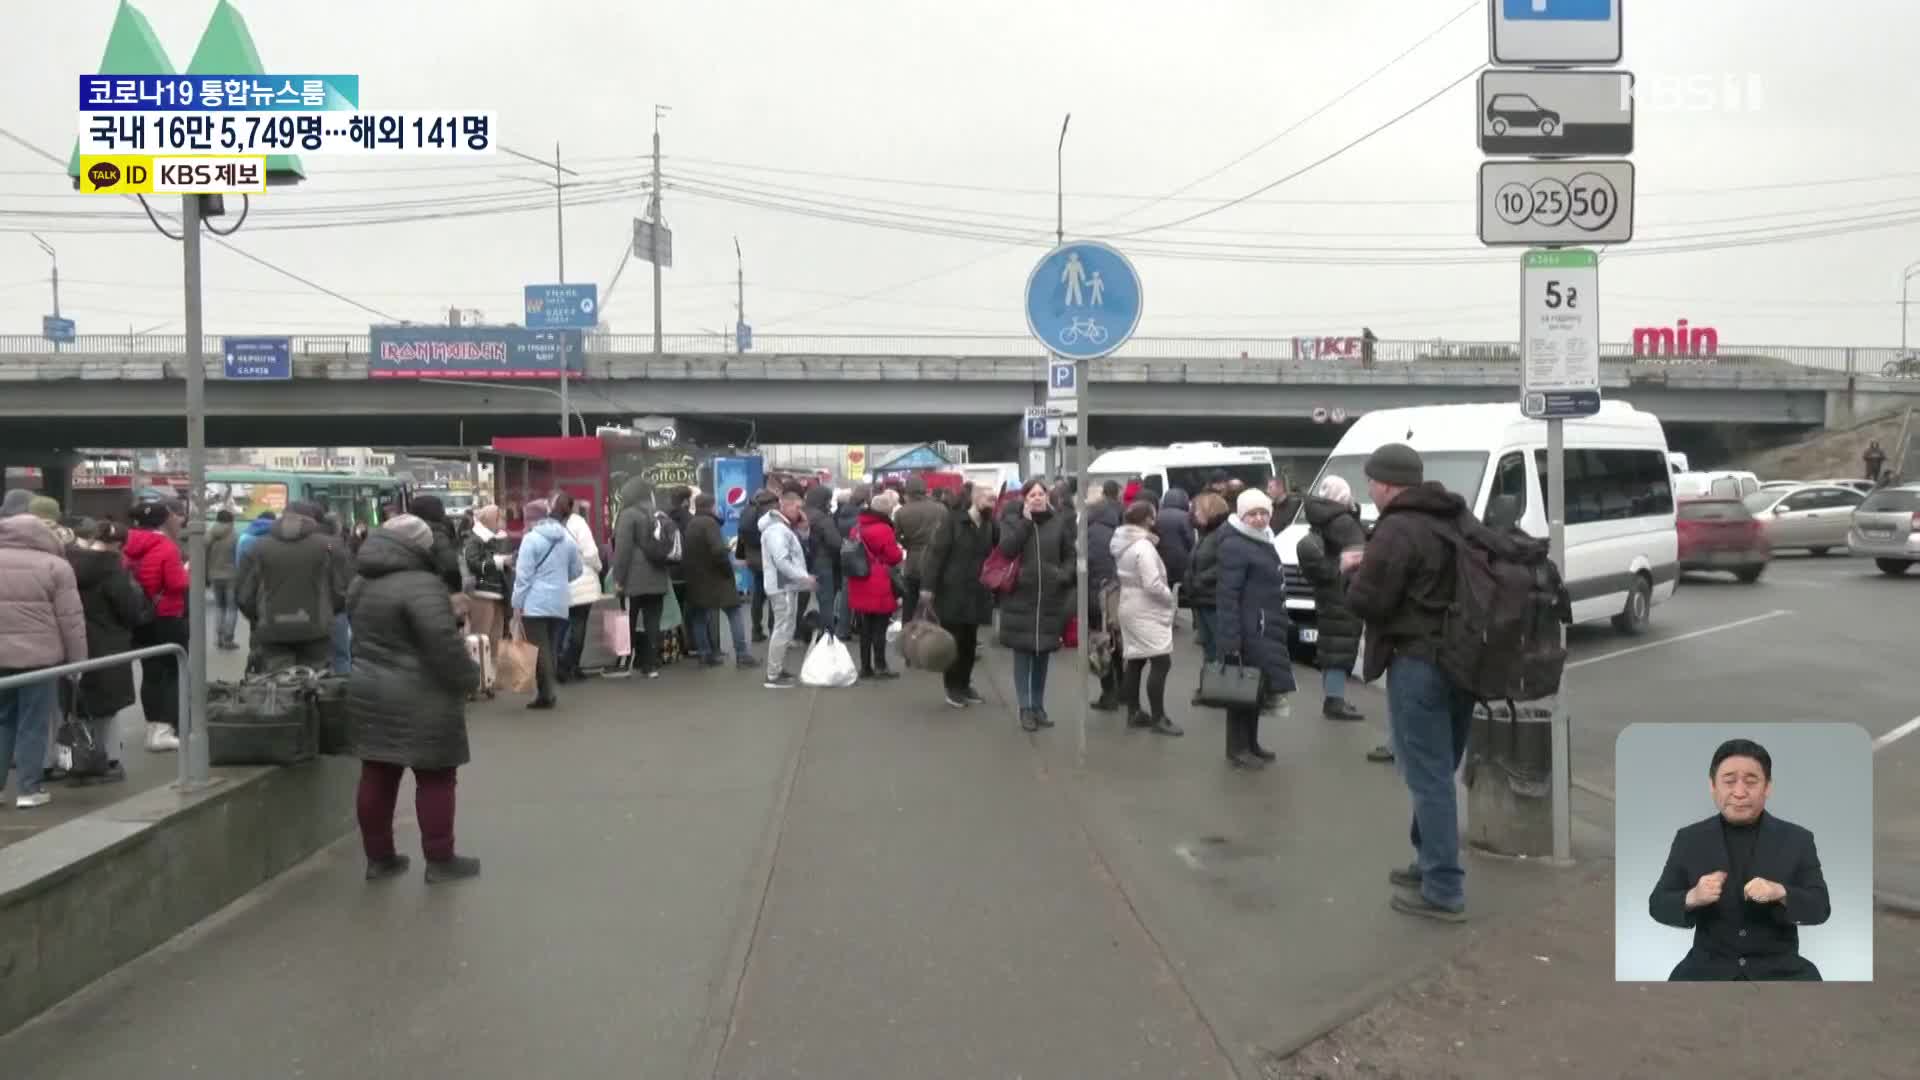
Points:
(446, 547)
(1401, 585)
(290, 584)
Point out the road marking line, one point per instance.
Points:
(1678, 638)
(1896, 734)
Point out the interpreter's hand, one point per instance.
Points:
(1350, 559)
(1762, 891)
(1706, 891)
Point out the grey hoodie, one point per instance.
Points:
(783, 558)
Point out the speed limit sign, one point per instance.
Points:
(1319, 415)
(1556, 202)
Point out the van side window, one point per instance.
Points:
(1613, 485)
(1748, 485)
(1510, 479)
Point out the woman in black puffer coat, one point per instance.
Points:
(1334, 527)
(1033, 617)
(406, 697)
(1250, 625)
(115, 607)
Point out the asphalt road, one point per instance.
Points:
(696, 877)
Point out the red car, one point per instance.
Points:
(1721, 534)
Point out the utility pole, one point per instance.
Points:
(739, 296)
(55, 256)
(1081, 431)
(653, 215)
(193, 751)
(1906, 277)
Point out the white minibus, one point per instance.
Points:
(1622, 548)
(1187, 466)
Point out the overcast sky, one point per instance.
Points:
(944, 117)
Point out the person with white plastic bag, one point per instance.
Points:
(784, 563)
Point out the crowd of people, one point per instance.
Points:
(397, 609)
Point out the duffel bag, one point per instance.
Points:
(330, 712)
(267, 720)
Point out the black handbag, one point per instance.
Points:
(1229, 686)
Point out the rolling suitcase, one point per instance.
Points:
(330, 712)
(480, 651)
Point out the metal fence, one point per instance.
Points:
(1337, 351)
(193, 735)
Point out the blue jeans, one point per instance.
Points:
(228, 607)
(705, 632)
(1030, 679)
(1427, 723)
(1204, 619)
(1334, 682)
(26, 716)
(342, 645)
(826, 595)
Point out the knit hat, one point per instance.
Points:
(428, 508)
(45, 507)
(1253, 499)
(411, 531)
(151, 515)
(1397, 464)
(16, 502)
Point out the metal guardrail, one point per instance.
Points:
(193, 736)
(1856, 360)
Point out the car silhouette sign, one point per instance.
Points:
(1556, 113)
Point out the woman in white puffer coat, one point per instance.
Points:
(582, 592)
(1146, 618)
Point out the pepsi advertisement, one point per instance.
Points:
(735, 479)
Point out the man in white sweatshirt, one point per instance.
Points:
(783, 560)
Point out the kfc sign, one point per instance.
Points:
(1679, 339)
(1326, 348)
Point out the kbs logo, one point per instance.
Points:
(1678, 340)
(116, 175)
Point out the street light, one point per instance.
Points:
(559, 187)
(1906, 276)
(55, 256)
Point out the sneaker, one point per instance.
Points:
(884, 673)
(972, 696)
(955, 700)
(1407, 877)
(543, 703)
(458, 868)
(1427, 909)
(162, 739)
(28, 802)
(1338, 709)
(747, 660)
(1381, 755)
(621, 669)
(712, 662)
(782, 681)
(1139, 719)
(1040, 717)
(1029, 720)
(1163, 725)
(653, 673)
(381, 869)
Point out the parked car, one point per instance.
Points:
(1886, 529)
(1864, 487)
(1722, 535)
(1782, 485)
(1814, 517)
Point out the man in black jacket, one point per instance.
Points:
(446, 547)
(1746, 926)
(1402, 583)
(290, 583)
(748, 542)
(1103, 519)
(1174, 527)
(915, 524)
(823, 555)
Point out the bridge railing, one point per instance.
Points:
(132, 356)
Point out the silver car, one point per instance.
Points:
(1814, 517)
(1886, 529)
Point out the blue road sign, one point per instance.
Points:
(1083, 300)
(258, 358)
(1063, 378)
(563, 307)
(1560, 10)
(1561, 404)
(742, 336)
(1038, 432)
(54, 328)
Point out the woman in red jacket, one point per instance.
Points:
(871, 598)
(152, 554)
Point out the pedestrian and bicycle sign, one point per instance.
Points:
(1083, 300)
(563, 307)
(1556, 32)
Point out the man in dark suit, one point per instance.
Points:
(1743, 880)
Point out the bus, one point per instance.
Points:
(1187, 466)
(356, 498)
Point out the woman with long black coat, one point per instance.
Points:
(1250, 605)
(116, 608)
(1033, 617)
(960, 603)
(1334, 527)
(407, 697)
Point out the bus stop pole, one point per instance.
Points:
(1562, 782)
(193, 744)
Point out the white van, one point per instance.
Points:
(1715, 484)
(1623, 553)
(1187, 466)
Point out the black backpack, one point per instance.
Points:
(660, 543)
(1500, 637)
(854, 562)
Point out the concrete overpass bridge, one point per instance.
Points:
(113, 390)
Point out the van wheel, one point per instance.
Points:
(1819, 552)
(1749, 574)
(1892, 567)
(1633, 618)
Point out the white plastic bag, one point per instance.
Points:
(893, 631)
(828, 664)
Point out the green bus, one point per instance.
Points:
(353, 497)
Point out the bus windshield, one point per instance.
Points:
(246, 501)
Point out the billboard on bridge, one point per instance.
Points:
(470, 352)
